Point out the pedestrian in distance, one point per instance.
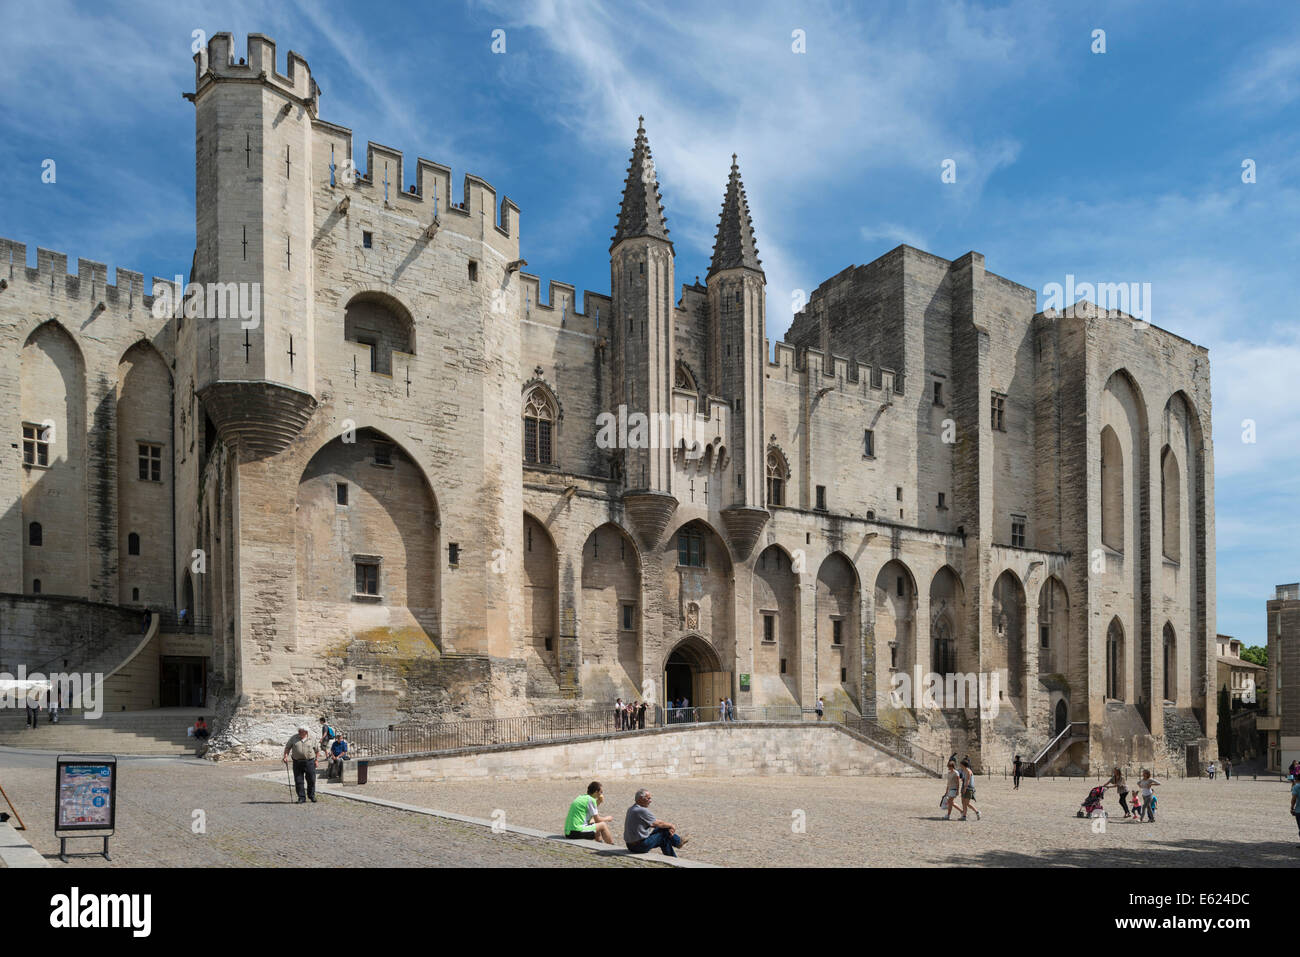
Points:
(1015, 773)
(583, 823)
(1295, 802)
(303, 754)
(952, 789)
(643, 832)
(1227, 770)
(1118, 783)
(640, 716)
(821, 707)
(1148, 784)
(968, 790)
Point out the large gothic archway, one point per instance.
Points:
(611, 615)
(368, 545)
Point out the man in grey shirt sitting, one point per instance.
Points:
(643, 832)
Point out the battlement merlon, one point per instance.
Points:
(384, 181)
(840, 372)
(90, 283)
(217, 62)
(594, 318)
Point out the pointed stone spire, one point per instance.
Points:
(734, 245)
(642, 212)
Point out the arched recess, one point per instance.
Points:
(1185, 587)
(1124, 410)
(1053, 628)
(838, 615)
(53, 483)
(895, 627)
(541, 606)
(1008, 644)
(1112, 490)
(777, 664)
(1171, 509)
(144, 428)
(611, 615)
(380, 321)
(698, 588)
(1169, 659)
(951, 651)
(1117, 684)
(368, 555)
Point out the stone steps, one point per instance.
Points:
(114, 733)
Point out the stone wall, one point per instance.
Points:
(751, 750)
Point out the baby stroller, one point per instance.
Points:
(1091, 806)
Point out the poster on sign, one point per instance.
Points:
(87, 789)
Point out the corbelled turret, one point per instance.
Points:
(642, 211)
(737, 315)
(734, 246)
(641, 279)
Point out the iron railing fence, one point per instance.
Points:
(175, 623)
(892, 741)
(481, 732)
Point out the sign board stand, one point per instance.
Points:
(85, 799)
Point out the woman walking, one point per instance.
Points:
(1148, 784)
(968, 790)
(952, 783)
(1015, 773)
(1117, 782)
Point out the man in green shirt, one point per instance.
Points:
(583, 823)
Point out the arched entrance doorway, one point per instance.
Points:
(1062, 716)
(693, 671)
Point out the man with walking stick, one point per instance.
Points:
(304, 755)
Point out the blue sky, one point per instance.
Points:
(1121, 166)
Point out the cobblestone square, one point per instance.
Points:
(896, 822)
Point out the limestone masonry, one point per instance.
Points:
(366, 468)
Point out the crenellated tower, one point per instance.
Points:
(254, 348)
(642, 283)
(737, 285)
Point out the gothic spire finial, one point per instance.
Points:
(642, 211)
(734, 245)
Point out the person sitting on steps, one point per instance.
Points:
(643, 832)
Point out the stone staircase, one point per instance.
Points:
(157, 731)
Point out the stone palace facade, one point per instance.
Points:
(360, 471)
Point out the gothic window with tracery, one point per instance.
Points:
(684, 379)
(539, 428)
(776, 476)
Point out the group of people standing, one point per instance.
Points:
(630, 716)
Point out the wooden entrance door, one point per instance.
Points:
(709, 687)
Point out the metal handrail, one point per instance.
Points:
(893, 741)
(483, 732)
(173, 623)
(1067, 733)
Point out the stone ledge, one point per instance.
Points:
(15, 851)
(588, 847)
